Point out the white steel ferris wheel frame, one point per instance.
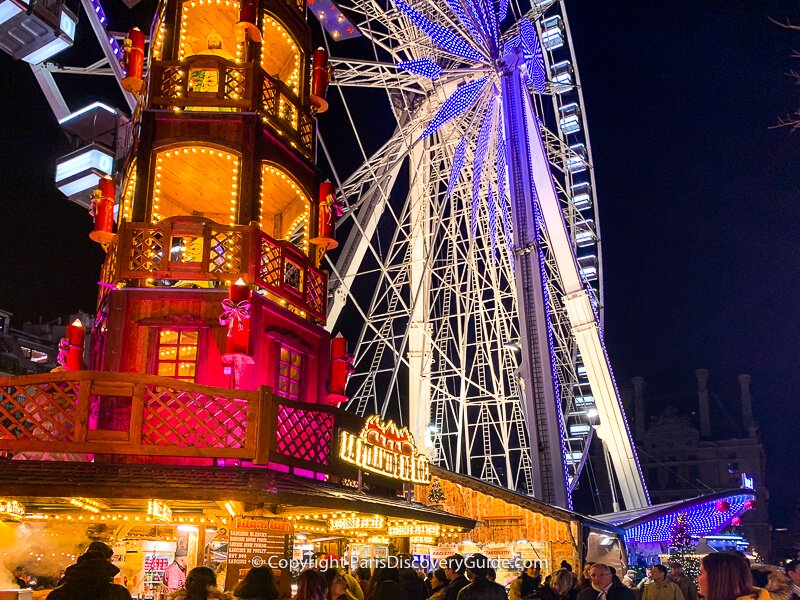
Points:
(442, 315)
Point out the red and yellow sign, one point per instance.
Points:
(385, 449)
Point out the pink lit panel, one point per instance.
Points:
(304, 434)
(176, 418)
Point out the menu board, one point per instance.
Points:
(260, 542)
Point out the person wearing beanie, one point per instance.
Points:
(101, 548)
(175, 575)
(90, 578)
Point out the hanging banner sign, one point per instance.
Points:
(383, 448)
(406, 529)
(256, 543)
(371, 523)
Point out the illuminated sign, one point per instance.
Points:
(378, 539)
(385, 449)
(747, 482)
(413, 529)
(159, 510)
(11, 509)
(352, 523)
(422, 539)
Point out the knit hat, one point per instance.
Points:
(181, 552)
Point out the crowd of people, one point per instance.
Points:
(723, 576)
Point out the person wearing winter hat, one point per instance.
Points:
(792, 568)
(90, 578)
(772, 579)
(175, 575)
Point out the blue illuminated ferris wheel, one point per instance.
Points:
(473, 235)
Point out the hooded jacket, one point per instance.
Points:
(774, 580)
(91, 578)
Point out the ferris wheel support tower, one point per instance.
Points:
(532, 187)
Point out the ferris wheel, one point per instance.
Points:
(471, 252)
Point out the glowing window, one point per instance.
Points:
(196, 180)
(285, 208)
(207, 27)
(290, 369)
(280, 55)
(176, 353)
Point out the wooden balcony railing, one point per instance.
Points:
(198, 249)
(211, 82)
(92, 412)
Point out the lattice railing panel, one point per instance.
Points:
(304, 434)
(225, 252)
(146, 250)
(234, 84)
(315, 290)
(108, 272)
(172, 81)
(306, 131)
(269, 268)
(179, 418)
(44, 411)
(269, 97)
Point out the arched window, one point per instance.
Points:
(281, 57)
(207, 27)
(285, 207)
(196, 181)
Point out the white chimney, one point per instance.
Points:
(747, 401)
(638, 408)
(702, 399)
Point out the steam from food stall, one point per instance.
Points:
(45, 551)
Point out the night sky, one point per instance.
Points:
(699, 199)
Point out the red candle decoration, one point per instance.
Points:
(246, 27)
(103, 210)
(76, 336)
(329, 212)
(341, 367)
(723, 506)
(134, 61)
(236, 315)
(319, 80)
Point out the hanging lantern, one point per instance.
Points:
(341, 367)
(236, 315)
(246, 28)
(329, 212)
(750, 504)
(134, 61)
(76, 336)
(723, 506)
(102, 209)
(736, 521)
(320, 77)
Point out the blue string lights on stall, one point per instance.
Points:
(702, 519)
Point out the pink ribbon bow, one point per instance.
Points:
(236, 312)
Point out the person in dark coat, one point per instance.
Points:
(454, 570)
(527, 583)
(792, 569)
(412, 585)
(604, 586)
(90, 578)
(385, 585)
(258, 584)
(481, 588)
(561, 587)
